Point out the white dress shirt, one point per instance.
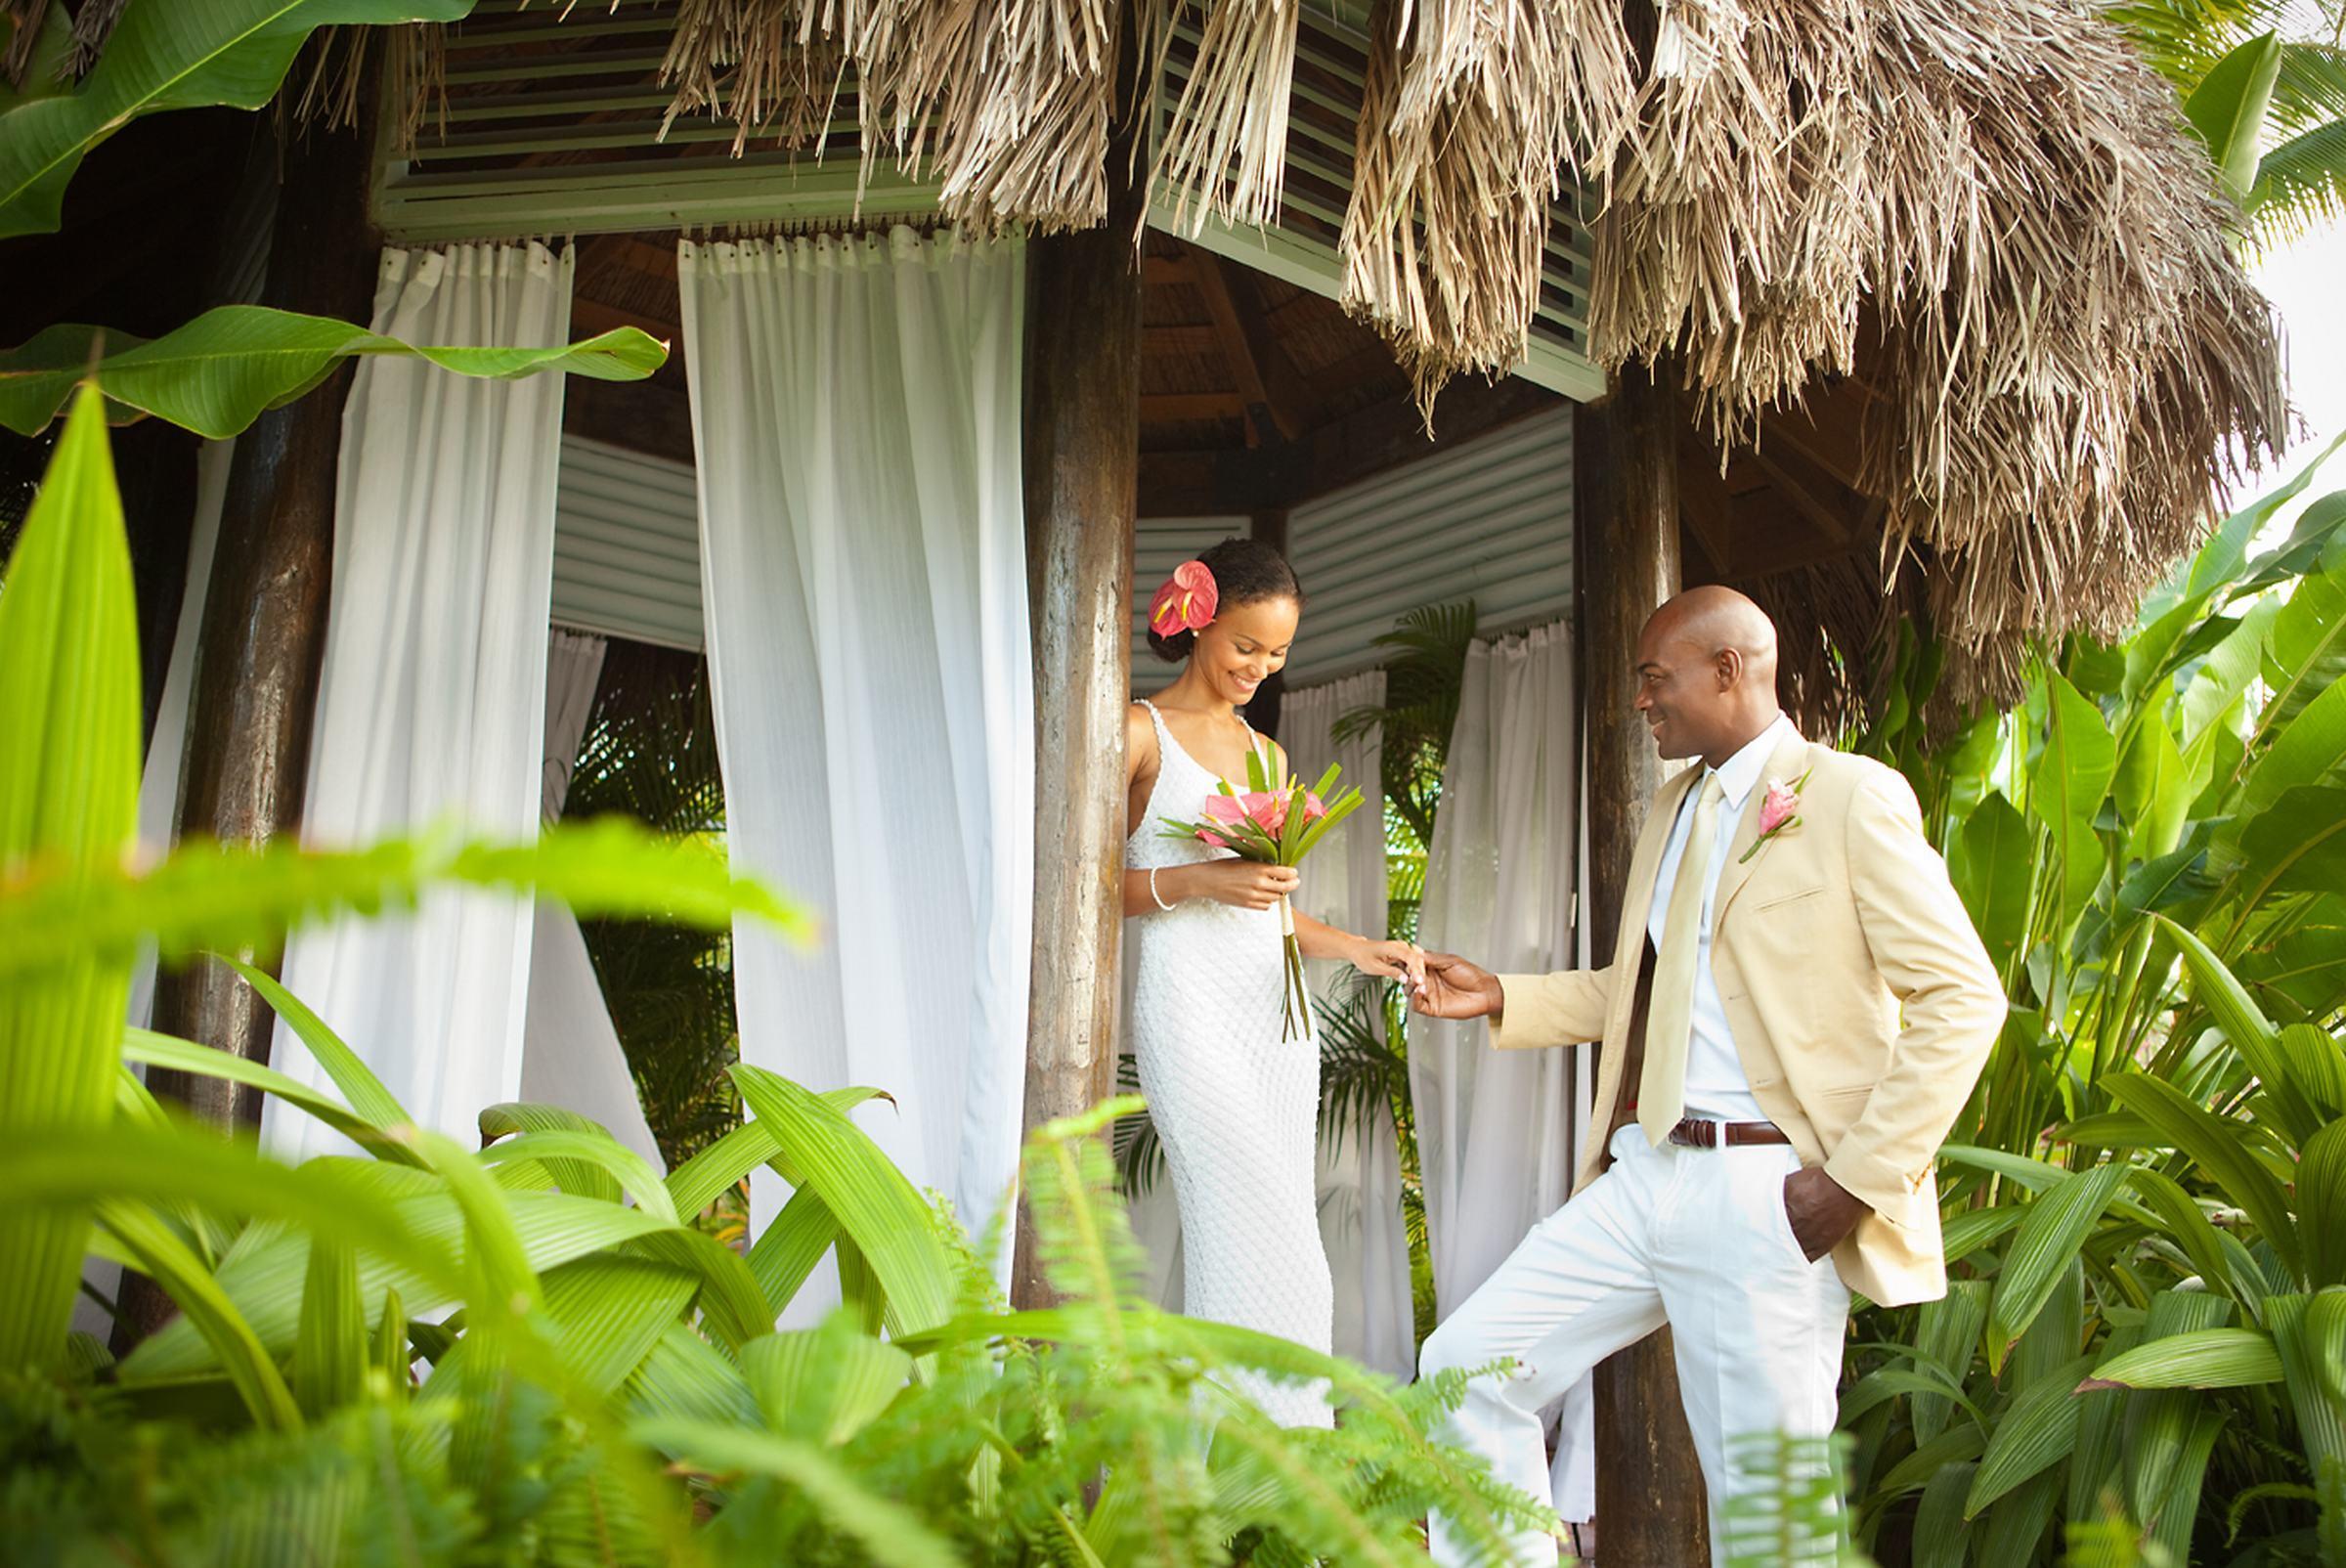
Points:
(1716, 1087)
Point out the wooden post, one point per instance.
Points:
(1649, 1484)
(1270, 525)
(1082, 469)
(264, 617)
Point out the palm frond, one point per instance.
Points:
(1362, 1072)
(1139, 1155)
(2301, 184)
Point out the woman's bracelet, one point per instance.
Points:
(1155, 895)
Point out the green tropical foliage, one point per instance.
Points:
(419, 1352)
(162, 55)
(2264, 83)
(219, 373)
(650, 755)
(2142, 1356)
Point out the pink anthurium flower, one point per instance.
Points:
(1187, 602)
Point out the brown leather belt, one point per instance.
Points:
(1726, 1134)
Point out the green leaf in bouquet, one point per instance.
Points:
(1337, 810)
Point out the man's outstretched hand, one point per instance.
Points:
(1457, 988)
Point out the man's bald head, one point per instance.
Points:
(1707, 674)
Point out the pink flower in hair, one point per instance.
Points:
(1187, 602)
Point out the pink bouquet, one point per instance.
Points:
(1274, 822)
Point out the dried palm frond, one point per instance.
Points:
(1013, 97)
(87, 30)
(1991, 211)
(1005, 103)
(25, 19)
(336, 62)
(1224, 145)
(1471, 113)
(755, 62)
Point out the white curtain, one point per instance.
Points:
(571, 1056)
(158, 785)
(855, 415)
(1496, 1134)
(432, 699)
(1344, 883)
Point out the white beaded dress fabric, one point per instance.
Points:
(1236, 1106)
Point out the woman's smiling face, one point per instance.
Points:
(1245, 646)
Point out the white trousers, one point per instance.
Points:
(1694, 1237)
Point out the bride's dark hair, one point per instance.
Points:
(1246, 571)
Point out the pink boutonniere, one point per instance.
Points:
(1779, 813)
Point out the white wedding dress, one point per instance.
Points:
(1236, 1106)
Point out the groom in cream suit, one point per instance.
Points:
(1790, 1021)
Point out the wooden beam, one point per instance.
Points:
(247, 752)
(1228, 482)
(1156, 270)
(1824, 430)
(1804, 497)
(1267, 383)
(1390, 434)
(1176, 408)
(1171, 341)
(1270, 526)
(640, 416)
(1082, 457)
(1649, 1495)
(1704, 502)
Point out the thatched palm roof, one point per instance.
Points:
(1987, 216)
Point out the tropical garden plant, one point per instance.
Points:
(2264, 84)
(426, 1353)
(2142, 1356)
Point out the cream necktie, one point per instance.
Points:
(1669, 1006)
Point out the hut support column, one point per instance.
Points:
(1082, 472)
(264, 616)
(1649, 1491)
(1270, 526)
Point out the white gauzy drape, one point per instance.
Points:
(1496, 1134)
(855, 415)
(571, 1056)
(158, 784)
(1344, 883)
(432, 698)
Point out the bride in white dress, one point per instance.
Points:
(1235, 1106)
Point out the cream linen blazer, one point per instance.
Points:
(1818, 942)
